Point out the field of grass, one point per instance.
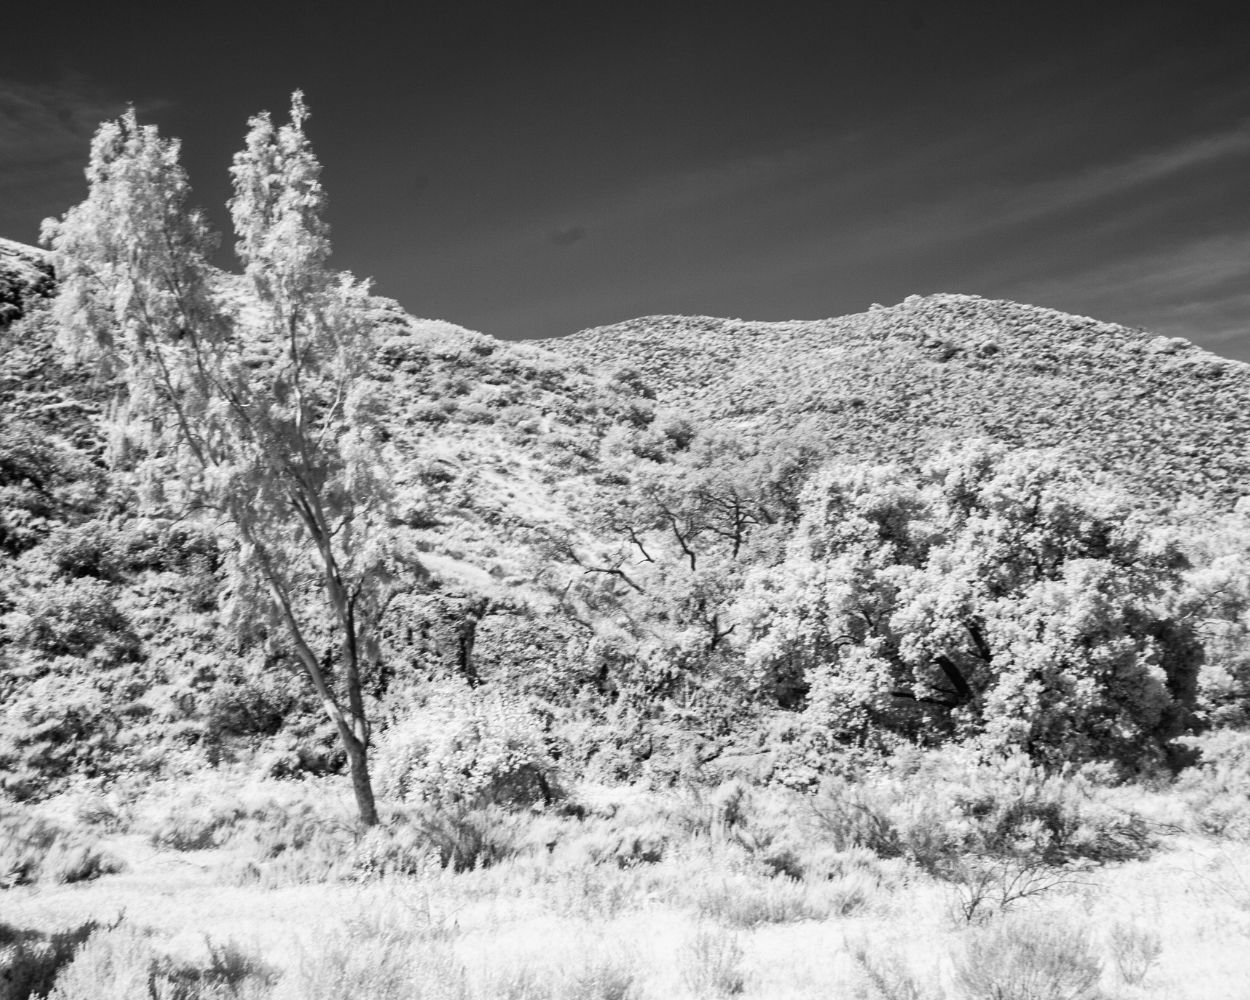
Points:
(941, 883)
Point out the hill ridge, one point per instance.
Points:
(1164, 414)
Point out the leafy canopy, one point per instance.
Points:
(998, 595)
(246, 399)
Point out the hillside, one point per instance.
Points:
(1163, 414)
(494, 446)
(25, 274)
(547, 495)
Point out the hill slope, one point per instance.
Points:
(25, 273)
(1164, 415)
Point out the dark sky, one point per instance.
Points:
(530, 169)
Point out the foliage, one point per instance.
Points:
(654, 590)
(746, 903)
(713, 964)
(30, 960)
(1029, 958)
(1217, 790)
(1217, 598)
(383, 956)
(260, 414)
(247, 703)
(456, 838)
(59, 728)
(995, 595)
(42, 483)
(1135, 948)
(468, 747)
(999, 831)
(889, 976)
(121, 963)
(34, 851)
(78, 618)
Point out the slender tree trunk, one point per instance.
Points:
(362, 785)
(353, 734)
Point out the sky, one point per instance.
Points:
(532, 169)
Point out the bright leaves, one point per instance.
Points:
(996, 595)
(245, 401)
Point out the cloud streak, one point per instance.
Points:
(45, 136)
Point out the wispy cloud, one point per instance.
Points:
(45, 135)
(1143, 237)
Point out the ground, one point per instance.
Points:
(704, 920)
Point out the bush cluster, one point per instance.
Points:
(467, 747)
(34, 850)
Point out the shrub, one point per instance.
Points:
(121, 963)
(847, 818)
(602, 977)
(468, 747)
(34, 850)
(888, 976)
(284, 843)
(30, 960)
(249, 704)
(1007, 820)
(73, 618)
(1028, 958)
(181, 547)
(1003, 829)
(195, 822)
(712, 964)
(379, 957)
(594, 977)
(460, 839)
(1217, 790)
(85, 550)
(58, 727)
(624, 841)
(746, 904)
(1135, 949)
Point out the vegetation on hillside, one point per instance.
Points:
(893, 384)
(822, 613)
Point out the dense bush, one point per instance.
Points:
(42, 484)
(60, 727)
(467, 746)
(995, 595)
(72, 618)
(249, 703)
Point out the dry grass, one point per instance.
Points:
(712, 917)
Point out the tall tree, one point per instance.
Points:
(246, 400)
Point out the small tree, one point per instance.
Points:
(247, 400)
